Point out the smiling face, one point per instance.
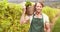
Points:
(38, 7)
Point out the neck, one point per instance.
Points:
(38, 13)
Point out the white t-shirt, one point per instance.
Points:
(45, 18)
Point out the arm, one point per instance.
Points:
(24, 18)
(47, 25)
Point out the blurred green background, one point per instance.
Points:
(10, 14)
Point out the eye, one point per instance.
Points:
(40, 6)
(37, 6)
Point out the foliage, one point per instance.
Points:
(56, 27)
(51, 12)
(28, 3)
(10, 15)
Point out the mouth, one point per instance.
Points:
(38, 9)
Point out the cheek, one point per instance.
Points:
(37, 8)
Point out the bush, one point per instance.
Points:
(10, 15)
(56, 27)
(51, 12)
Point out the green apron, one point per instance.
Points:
(37, 25)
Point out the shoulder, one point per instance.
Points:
(45, 18)
(44, 15)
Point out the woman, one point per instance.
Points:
(39, 22)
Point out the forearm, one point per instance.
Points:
(22, 20)
(48, 30)
(47, 27)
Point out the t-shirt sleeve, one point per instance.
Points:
(46, 19)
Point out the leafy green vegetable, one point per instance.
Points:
(28, 3)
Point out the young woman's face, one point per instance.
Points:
(38, 7)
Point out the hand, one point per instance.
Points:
(24, 9)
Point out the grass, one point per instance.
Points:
(56, 27)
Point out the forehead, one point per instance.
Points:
(38, 4)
